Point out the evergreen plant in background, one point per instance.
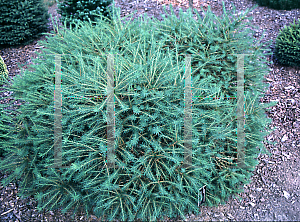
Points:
(72, 11)
(149, 181)
(280, 4)
(21, 22)
(287, 45)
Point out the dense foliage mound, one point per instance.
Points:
(287, 45)
(72, 11)
(280, 4)
(22, 22)
(150, 79)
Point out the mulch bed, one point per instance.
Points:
(273, 194)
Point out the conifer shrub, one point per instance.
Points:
(72, 11)
(287, 45)
(22, 22)
(280, 4)
(3, 79)
(148, 181)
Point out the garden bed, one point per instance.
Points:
(274, 191)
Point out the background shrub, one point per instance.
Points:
(72, 11)
(280, 4)
(287, 45)
(21, 22)
(149, 181)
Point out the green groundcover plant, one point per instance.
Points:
(149, 86)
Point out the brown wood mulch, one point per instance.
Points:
(273, 194)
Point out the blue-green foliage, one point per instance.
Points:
(3, 79)
(73, 11)
(21, 22)
(287, 46)
(280, 4)
(149, 86)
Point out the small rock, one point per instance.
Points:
(93, 217)
(292, 101)
(284, 138)
(289, 87)
(252, 204)
(230, 216)
(270, 80)
(286, 194)
(286, 155)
